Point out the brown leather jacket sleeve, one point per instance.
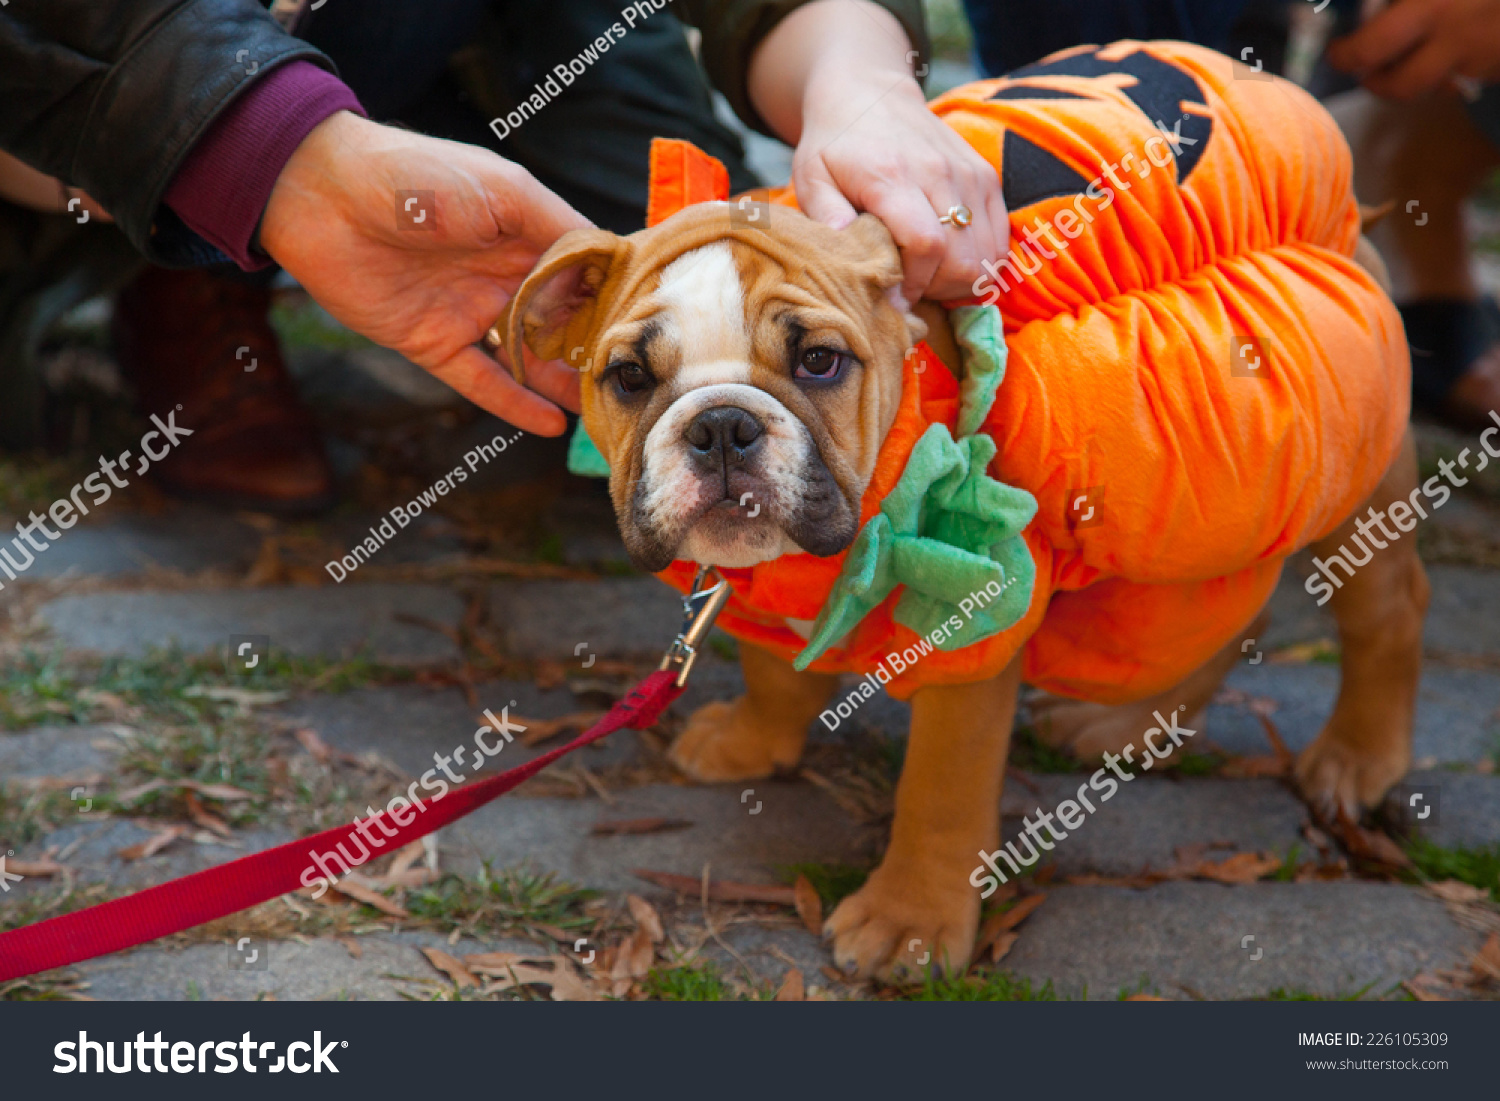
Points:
(733, 28)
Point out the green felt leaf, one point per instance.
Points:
(584, 458)
(947, 531)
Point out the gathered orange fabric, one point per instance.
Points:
(1201, 380)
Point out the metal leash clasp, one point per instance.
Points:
(699, 609)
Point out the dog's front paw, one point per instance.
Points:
(1336, 775)
(909, 917)
(722, 743)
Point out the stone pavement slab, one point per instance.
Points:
(1149, 817)
(619, 617)
(318, 969)
(1184, 939)
(1456, 719)
(1468, 808)
(182, 538)
(334, 621)
(57, 751)
(746, 840)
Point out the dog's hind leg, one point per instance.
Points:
(762, 731)
(1366, 745)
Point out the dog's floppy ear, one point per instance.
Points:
(552, 308)
(868, 242)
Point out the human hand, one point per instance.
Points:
(25, 186)
(878, 149)
(834, 78)
(335, 223)
(1417, 46)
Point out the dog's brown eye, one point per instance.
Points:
(632, 377)
(823, 363)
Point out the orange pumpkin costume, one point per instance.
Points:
(1200, 382)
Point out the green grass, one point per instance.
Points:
(1282, 994)
(833, 882)
(1195, 764)
(45, 687)
(1477, 867)
(691, 983)
(988, 986)
(1288, 870)
(1029, 752)
(512, 900)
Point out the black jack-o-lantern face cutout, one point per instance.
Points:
(1158, 88)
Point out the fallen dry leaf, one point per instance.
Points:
(41, 869)
(623, 826)
(809, 905)
(1420, 992)
(1456, 890)
(1240, 868)
(549, 674)
(352, 946)
(316, 747)
(1019, 912)
(1371, 846)
(1004, 942)
(646, 917)
(1487, 960)
(635, 958)
(451, 967)
(722, 890)
(792, 989)
(203, 818)
(540, 730)
(1146, 998)
(153, 844)
(553, 972)
(350, 887)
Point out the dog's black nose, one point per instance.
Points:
(722, 437)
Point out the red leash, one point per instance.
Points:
(229, 888)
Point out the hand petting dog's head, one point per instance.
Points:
(738, 380)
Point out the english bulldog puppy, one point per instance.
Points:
(725, 365)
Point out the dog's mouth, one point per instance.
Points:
(736, 489)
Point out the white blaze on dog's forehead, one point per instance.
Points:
(705, 307)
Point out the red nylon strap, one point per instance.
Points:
(228, 888)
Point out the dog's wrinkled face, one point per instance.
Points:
(738, 380)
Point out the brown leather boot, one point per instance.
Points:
(201, 343)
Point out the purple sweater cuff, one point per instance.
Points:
(221, 189)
